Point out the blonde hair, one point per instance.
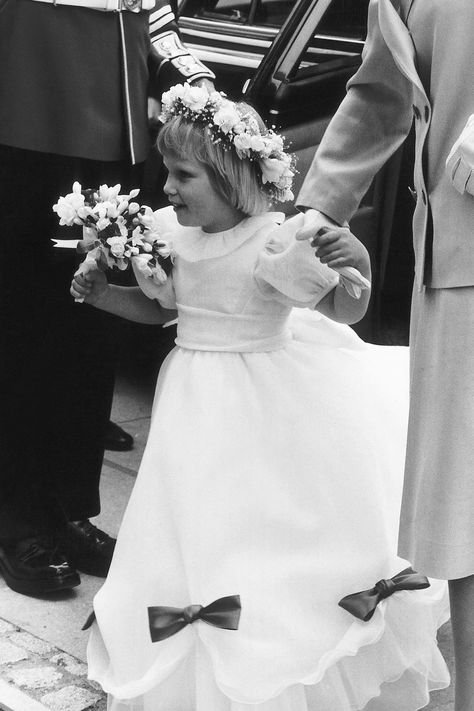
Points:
(237, 180)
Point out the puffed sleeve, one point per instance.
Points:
(288, 271)
(153, 289)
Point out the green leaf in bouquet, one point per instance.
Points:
(101, 260)
(112, 230)
(165, 263)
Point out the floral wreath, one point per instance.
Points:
(236, 131)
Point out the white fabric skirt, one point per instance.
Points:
(274, 476)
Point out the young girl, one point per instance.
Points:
(271, 481)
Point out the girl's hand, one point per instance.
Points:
(88, 286)
(338, 247)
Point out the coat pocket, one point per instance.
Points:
(460, 161)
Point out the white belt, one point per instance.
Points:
(106, 5)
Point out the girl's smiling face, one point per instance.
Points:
(194, 198)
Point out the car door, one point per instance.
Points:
(232, 36)
(299, 85)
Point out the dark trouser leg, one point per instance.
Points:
(57, 358)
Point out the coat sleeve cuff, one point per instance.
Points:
(186, 67)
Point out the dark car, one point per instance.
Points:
(292, 60)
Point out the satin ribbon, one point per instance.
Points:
(362, 604)
(167, 621)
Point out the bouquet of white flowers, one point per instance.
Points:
(115, 230)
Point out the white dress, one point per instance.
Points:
(273, 471)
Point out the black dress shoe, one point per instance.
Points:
(89, 548)
(36, 566)
(117, 439)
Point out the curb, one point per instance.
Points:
(36, 676)
(12, 699)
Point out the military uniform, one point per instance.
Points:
(74, 81)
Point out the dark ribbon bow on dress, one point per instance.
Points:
(362, 604)
(166, 621)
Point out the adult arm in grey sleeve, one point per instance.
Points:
(371, 123)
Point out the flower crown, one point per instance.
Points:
(235, 130)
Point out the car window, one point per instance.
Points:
(230, 10)
(345, 18)
(233, 37)
(271, 13)
(338, 40)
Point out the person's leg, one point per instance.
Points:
(84, 353)
(461, 594)
(87, 348)
(30, 560)
(57, 368)
(27, 500)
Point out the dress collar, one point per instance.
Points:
(194, 245)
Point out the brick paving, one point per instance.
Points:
(44, 674)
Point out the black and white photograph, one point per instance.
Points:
(236, 355)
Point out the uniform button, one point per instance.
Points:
(427, 114)
(416, 112)
(132, 4)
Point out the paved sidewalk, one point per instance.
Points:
(42, 647)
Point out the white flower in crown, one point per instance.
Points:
(273, 170)
(257, 144)
(242, 143)
(239, 128)
(275, 143)
(227, 118)
(175, 92)
(195, 97)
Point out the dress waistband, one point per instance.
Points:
(203, 330)
(106, 5)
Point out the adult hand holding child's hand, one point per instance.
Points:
(337, 247)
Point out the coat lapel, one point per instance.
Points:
(399, 42)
